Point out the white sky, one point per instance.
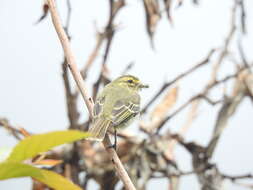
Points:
(32, 93)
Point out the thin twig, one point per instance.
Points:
(238, 177)
(166, 85)
(69, 8)
(93, 55)
(71, 99)
(242, 16)
(127, 68)
(13, 130)
(108, 34)
(200, 95)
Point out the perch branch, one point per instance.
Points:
(69, 55)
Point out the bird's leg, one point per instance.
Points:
(115, 139)
(114, 145)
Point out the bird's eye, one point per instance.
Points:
(130, 81)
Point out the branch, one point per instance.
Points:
(80, 83)
(166, 85)
(201, 95)
(93, 55)
(13, 130)
(71, 97)
(69, 55)
(108, 34)
(238, 177)
(118, 165)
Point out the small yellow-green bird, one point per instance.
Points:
(116, 106)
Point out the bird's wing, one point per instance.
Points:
(100, 124)
(125, 109)
(98, 107)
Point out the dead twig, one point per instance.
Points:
(237, 177)
(179, 77)
(13, 130)
(108, 34)
(200, 96)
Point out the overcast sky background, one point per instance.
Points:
(31, 86)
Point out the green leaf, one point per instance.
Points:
(57, 181)
(51, 179)
(12, 170)
(33, 145)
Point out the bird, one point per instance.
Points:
(116, 106)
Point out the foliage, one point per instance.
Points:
(32, 146)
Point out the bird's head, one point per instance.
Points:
(130, 82)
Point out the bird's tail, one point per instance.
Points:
(98, 129)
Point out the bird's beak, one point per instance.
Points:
(143, 85)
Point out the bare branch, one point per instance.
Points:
(201, 95)
(69, 55)
(118, 165)
(227, 110)
(179, 77)
(243, 16)
(13, 130)
(93, 55)
(152, 11)
(238, 177)
(44, 14)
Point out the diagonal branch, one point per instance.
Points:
(184, 74)
(69, 54)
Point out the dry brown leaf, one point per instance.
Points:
(48, 162)
(192, 114)
(160, 111)
(167, 4)
(152, 16)
(24, 132)
(165, 105)
(249, 84)
(229, 107)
